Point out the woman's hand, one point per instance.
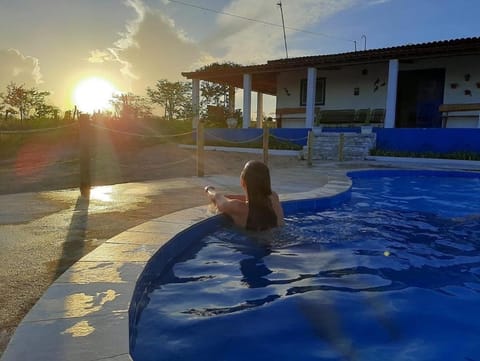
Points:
(235, 207)
(210, 190)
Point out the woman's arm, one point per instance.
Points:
(235, 208)
(218, 199)
(277, 207)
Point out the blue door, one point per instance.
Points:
(420, 93)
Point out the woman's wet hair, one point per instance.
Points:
(256, 177)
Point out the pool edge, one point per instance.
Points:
(80, 319)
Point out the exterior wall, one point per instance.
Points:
(455, 71)
(339, 90)
(441, 141)
(341, 83)
(294, 121)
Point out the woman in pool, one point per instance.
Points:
(260, 209)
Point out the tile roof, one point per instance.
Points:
(264, 75)
(432, 49)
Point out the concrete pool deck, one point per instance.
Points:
(84, 314)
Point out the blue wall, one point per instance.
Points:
(419, 140)
(233, 135)
(294, 135)
(238, 135)
(436, 140)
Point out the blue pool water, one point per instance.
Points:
(392, 274)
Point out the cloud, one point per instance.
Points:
(153, 47)
(250, 41)
(141, 44)
(100, 56)
(150, 49)
(378, 2)
(18, 68)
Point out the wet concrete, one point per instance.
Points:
(43, 234)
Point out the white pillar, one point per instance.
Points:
(247, 100)
(259, 109)
(311, 90)
(195, 102)
(391, 105)
(231, 100)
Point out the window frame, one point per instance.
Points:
(319, 94)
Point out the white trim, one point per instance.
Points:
(391, 103)
(231, 99)
(195, 102)
(247, 100)
(311, 90)
(259, 110)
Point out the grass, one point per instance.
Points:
(273, 143)
(123, 134)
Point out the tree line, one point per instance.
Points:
(24, 103)
(19, 102)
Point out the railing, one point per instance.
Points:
(473, 110)
(90, 137)
(237, 137)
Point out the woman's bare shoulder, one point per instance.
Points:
(277, 206)
(232, 205)
(275, 196)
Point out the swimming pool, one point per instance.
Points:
(394, 273)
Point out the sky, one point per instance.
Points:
(55, 44)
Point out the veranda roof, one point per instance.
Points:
(264, 76)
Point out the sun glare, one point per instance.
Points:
(93, 94)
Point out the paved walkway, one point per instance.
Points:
(84, 314)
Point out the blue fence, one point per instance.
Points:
(236, 135)
(294, 135)
(433, 140)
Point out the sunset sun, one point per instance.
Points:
(93, 94)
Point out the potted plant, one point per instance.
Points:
(232, 118)
(366, 128)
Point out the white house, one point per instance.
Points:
(428, 85)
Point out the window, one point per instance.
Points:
(319, 94)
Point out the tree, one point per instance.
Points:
(3, 106)
(218, 66)
(174, 97)
(215, 101)
(20, 100)
(131, 106)
(43, 110)
(214, 94)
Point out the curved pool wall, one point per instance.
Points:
(97, 326)
(164, 257)
(167, 254)
(84, 314)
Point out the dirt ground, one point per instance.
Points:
(44, 253)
